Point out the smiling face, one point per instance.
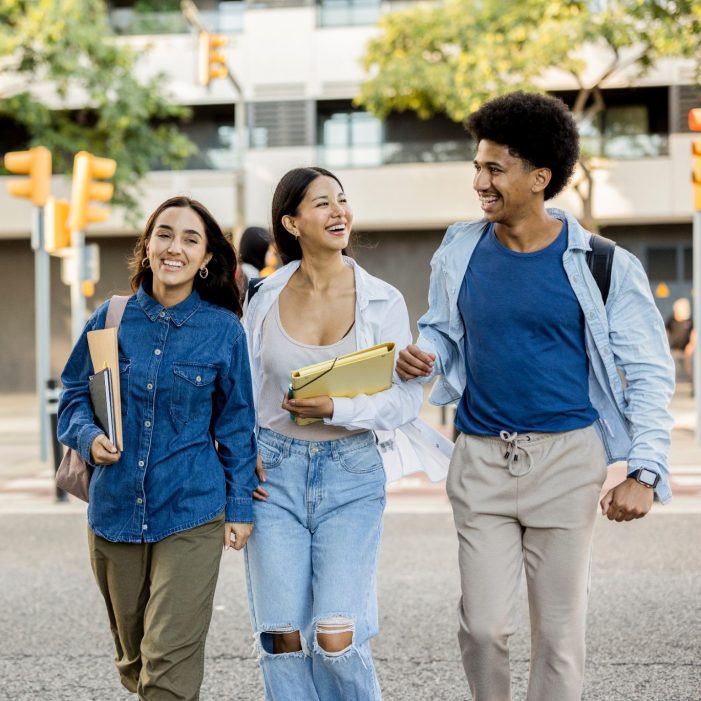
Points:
(323, 219)
(508, 187)
(177, 248)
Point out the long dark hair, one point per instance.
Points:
(290, 191)
(219, 287)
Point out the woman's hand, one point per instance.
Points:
(310, 408)
(102, 452)
(236, 535)
(260, 492)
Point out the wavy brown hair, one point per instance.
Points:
(219, 287)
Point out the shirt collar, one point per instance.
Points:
(179, 313)
(577, 236)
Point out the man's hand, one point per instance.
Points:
(413, 362)
(627, 501)
(102, 452)
(310, 408)
(236, 535)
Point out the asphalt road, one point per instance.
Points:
(644, 620)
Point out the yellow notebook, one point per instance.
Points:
(104, 353)
(366, 371)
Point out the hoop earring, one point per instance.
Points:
(203, 272)
(146, 263)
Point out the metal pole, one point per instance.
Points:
(78, 305)
(42, 324)
(52, 396)
(192, 15)
(696, 380)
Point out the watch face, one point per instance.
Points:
(647, 477)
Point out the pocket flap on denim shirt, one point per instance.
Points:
(198, 374)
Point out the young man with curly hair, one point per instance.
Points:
(553, 383)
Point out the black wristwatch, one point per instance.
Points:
(648, 478)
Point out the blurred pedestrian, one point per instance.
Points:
(518, 333)
(253, 249)
(680, 333)
(160, 511)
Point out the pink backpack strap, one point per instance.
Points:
(115, 311)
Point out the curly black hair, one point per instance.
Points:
(539, 129)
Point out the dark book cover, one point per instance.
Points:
(102, 402)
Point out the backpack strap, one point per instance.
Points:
(600, 262)
(115, 311)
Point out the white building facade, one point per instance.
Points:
(299, 64)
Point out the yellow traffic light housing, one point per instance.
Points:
(36, 163)
(695, 125)
(212, 63)
(87, 168)
(696, 172)
(57, 235)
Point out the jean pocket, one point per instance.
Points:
(270, 457)
(193, 387)
(124, 369)
(361, 461)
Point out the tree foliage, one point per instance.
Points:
(72, 86)
(451, 56)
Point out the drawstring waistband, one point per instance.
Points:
(514, 443)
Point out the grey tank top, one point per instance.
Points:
(280, 355)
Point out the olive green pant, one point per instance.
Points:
(159, 602)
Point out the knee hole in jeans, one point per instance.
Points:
(335, 635)
(279, 642)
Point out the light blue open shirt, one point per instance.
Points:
(631, 371)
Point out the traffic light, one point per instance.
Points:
(86, 169)
(36, 163)
(695, 125)
(57, 235)
(212, 63)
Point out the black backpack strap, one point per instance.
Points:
(600, 262)
(253, 287)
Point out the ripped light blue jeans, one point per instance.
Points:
(311, 564)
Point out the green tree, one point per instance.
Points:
(71, 85)
(451, 56)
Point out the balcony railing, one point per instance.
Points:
(227, 19)
(627, 146)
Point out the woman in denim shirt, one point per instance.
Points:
(312, 559)
(160, 511)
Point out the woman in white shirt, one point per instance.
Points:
(312, 558)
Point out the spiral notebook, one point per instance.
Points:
(366, 371)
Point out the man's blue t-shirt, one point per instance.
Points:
(527, 368)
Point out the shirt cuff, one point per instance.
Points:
(85, 439)
(239, 510)
(342, 412)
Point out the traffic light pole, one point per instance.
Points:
(42, 324)
(697, 322)
(78, 305)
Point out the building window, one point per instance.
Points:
(350, 138)
(343, 13)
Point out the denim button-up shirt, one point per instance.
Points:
(187, 416)
(631, 371)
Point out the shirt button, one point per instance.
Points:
(162, 314)
(198, 379)
(147, 424)
(149, 386)
(157, 351)
(144, 527)
(139, 501)
(141, 464)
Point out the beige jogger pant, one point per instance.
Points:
(159, 602)
(526, 499)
